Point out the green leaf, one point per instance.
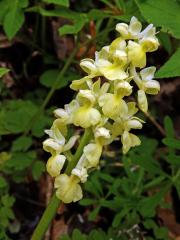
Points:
(78, 24)
(121, 4)
(165, 40)
(161, 233)
(98, 235)
(77, 235)
(177, 186)
(78, 19)
(96, 183)
(150, 165)
(96, 14)
(3, 182)
(91, 189)
(93, 214)
(15, 115)
(173, 159)
(23, 3)
(107, 2)
(40, 124)
(6, 214)
(49, 77)
(171, 68)
(20, 161)
(106, 177)
(162, 13)
(3, 10)
(119, 216)
(22, 143)
(37, 169)
(87, 201)
(168, 124)
(148, 204)
(7, 200)
(154, 182)
(3, 71)
(64, 3)
(64, 237)
(14, 19)
(172, 142)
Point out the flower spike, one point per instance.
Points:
(103, 105)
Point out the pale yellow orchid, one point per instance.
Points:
(99, 90)
(117, 44)
(101, 105)
(92, 153)
(86, 115)
(137, 50)
(55, 164)
(146, 85)
(89, 159)
(113, 105)
(65, 116)
(130, 31)
(56, 145)
(68, 188)
(126, 122)
(129, 140)
(111, 63)
(82, 84)
(89, 66)
(148, 39)
(80, 172)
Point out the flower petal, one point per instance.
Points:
(129, 140)
(86, 97)
(70, 143)
(123, 89)
(50, 145)
(152, 87)
(113, 71)
(82, 83)
(86, 117)
(122, 28)
(133, 124)
(147, 74)
(88, 66)
(68, 189)
(136, 54)
(93, 152)
(80, 173)
(55, 164)
(135, 27)
(142, 101)
(118, 44)
(102, 135)
(112, 106)
(149, 44)
(132, 109)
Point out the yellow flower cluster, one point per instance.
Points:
(102, 104)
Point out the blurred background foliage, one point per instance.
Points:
(136, 196)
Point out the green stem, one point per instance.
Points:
(46, 218)
(84, 140)
(55, 202)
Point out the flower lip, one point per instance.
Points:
(86, 97)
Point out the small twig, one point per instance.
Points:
(49, 193)
(31, 201)
(153, 120)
